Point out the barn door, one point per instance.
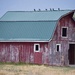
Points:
(71, 54)
(37, 54)
(38, 58)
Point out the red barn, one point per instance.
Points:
(39, 37)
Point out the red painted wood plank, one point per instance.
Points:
(38, 58)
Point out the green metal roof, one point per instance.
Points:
(33, 15)
(27, 30)
(29, 26)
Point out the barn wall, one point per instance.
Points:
(23, 52)
(61, 58)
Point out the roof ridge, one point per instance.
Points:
(40, 11)
(33, 15)
(33, 21)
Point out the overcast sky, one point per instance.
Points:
(30, 5)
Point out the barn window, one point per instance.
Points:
(64, 32)
(58, 47)
(36, 47)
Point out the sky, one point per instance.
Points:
(30, 5)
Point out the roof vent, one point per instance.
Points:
(46, 9)
(50, 9)
(53, 9)
(34, 10)
(58, 8)
(39, 9)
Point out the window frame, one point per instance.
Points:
(59, 47)
(35, 48)
(66, 32)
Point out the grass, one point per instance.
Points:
(12, 63)
(30, 69)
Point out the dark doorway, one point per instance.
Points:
(71, 54)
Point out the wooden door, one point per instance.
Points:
(71, 54)
(38, 58)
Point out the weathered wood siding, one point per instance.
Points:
(23, 52)
(61, 58)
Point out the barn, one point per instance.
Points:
(38, 37)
